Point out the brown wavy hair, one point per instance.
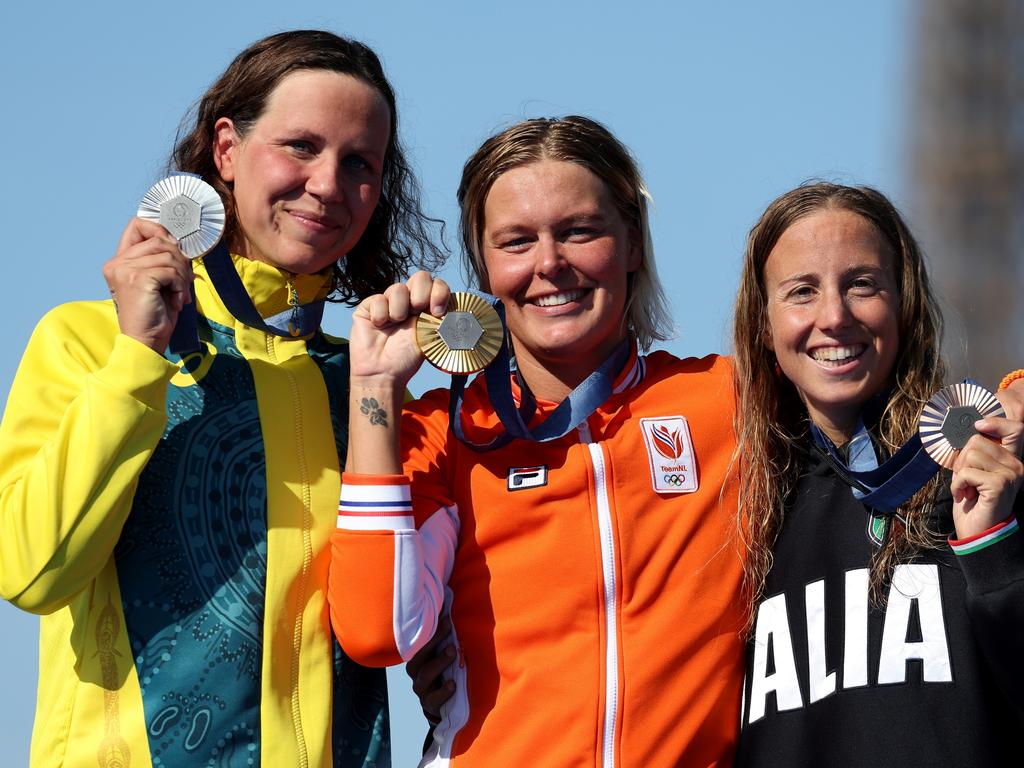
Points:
(772, 422)
(398, 236)
(589, 144)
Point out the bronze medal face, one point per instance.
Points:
(189, 209)
(947, 422)
(465, 340)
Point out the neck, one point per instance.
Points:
(546, 383)
(839, 434)
(553, 380)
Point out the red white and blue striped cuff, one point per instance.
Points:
(986, 538)
(375, 503)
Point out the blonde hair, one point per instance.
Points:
(589, 144)
(772, 422)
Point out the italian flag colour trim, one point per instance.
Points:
(986, 538)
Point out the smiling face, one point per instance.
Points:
(833, 314)
(558, 254)
(307, 175)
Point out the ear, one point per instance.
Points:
(635, 257)
(766, 336)
(225, 146)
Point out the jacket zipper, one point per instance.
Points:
(611, 665)
(307, 559)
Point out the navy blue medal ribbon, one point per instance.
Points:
(570, 413)
(295, 321)
(881, 487)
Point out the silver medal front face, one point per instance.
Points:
(180, 216)
(189, 209)
(460, 330)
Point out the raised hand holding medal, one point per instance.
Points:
(150, 278)
(987, 471)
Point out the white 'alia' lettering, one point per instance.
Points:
(771, 637)
(914, 583)
(915, 586)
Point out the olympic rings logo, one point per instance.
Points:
(673, 479)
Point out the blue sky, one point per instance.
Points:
(725, 105)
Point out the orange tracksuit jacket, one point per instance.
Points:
(592, 581)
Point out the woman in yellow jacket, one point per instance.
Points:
(163, 511)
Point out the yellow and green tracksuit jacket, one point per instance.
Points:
(170, 520)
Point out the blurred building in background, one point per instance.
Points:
(967, 175)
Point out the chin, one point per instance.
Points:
(305, 264)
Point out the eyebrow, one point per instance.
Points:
(289, 132)
(503, 232)
(799, 278)
(814, 276)
(571, 219)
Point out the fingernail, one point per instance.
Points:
(437, 310)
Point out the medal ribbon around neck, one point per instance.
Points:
(569, 414)
(936, 443)
(297, 320)
(881, 487)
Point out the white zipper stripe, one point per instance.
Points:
(611, 665)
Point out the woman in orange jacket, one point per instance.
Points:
(589, 587)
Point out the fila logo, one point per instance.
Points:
(521, 478)
(670, 454)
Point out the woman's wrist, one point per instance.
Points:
(1011, 377)
(375, 408)
(383, 384)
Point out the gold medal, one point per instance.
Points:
(466, 339)
(947, 422)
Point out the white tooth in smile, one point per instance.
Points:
(836, 354)
(557, 298)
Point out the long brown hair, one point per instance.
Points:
(771, 421)
(398, 234)
(589, 144)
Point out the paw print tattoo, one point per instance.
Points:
(370, 407)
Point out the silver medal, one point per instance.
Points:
(189, 209)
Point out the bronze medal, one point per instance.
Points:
(947, 422)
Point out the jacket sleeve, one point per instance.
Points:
(393, 549)
(993, 567)
(84, 414)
